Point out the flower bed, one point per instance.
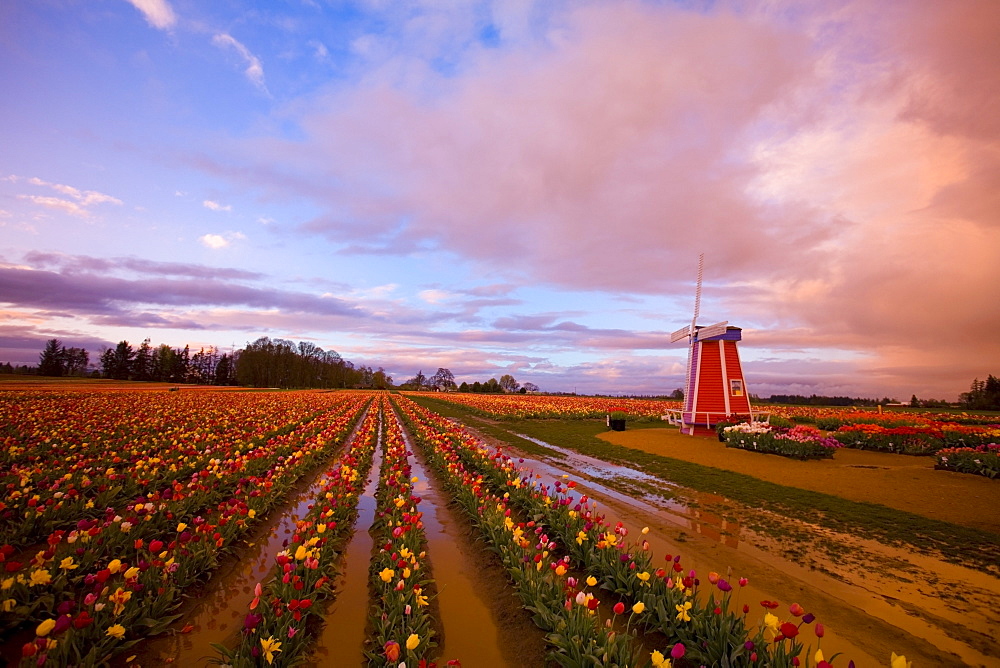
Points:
(800, 442)
(923, 440)
(970, 436)
(521, 407)
(113, 578)
(400, 621)
(281, 609)
(706, 628)
(982, 460)
(560, 604)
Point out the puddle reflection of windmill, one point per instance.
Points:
(714, 389)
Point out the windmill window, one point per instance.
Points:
(736, 388)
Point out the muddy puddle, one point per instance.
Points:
(342, 638)
(873, 599)
(474, 629)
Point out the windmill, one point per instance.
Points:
(714, 389)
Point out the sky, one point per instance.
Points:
(511, 186)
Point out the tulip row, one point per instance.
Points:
(711, 629)
(799, 442)
(120, 574)
(400, 621)
(520, 406)
(982, 460)
(560, 604)
(281, 609)
(915, 440)
(70, 457)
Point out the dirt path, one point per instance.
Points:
(896, 481)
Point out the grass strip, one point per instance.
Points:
(957, 544)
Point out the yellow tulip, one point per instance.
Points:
(659, 660)
(412, 641)
(270, 646)
(45, 627)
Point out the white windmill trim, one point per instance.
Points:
(725, 376)
(697, 382)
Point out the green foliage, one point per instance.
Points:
(778, 421)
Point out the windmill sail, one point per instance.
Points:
(712, 330)
(680, 334)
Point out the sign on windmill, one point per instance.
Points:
(714, 388)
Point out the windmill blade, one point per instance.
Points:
(697, 291)
(712, 330)
(681, 333)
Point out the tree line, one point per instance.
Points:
(443, 380)
(982, 395)
(818, 400)
(264, 363)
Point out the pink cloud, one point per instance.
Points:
(838, 163)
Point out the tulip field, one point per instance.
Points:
(121, 508)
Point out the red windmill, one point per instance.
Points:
(715, 389)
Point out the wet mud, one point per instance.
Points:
(341, 640)
(481, 623)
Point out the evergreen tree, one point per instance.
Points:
(51, 362)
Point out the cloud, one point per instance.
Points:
(839, 166)
(217, 241)
(254, 71)
(215, 206)
(88, 264)
(79, 201)
(158, 13)
(96, 294)
(434, 296)
(57, 204)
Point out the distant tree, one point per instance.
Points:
(477, 387)
(417, 382)
(117, 362)
(443, 379)
(529, 387)
(677, 394)
(75, 361)
(381, 380)
(202, 369)
(51, 361)
(982, 395)
(181, 367)
(492, 386)
(224, 371)
(914, 402)
(143, 364)
(464, 387)
(508, 384)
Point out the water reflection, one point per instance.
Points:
(341, 641)
(695, 516)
